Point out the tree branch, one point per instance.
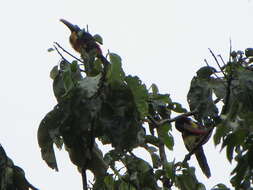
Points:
(176, 118)
(84, 179)
(216, 60)
(68, 52)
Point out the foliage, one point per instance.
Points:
(12, 176)
(98, 103)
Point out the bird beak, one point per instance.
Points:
(69, 25)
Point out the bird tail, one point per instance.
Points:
(201, 158)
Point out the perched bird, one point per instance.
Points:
(195, 135)
(80, 39)
(83, 41)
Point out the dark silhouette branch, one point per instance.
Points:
(216, 60)
(68, 52)
(176, 118)
(84, 179)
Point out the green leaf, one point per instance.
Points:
(236, 138)
(115, 74)
(98, 38)
(239, 171)
(170, 170)
(50, 49)
(188, 180)
(75, 72)
(109, 182)
(229, 152)
(154, 88)
(54, 72)
(219, 86)
(220, 186)
(47, 133)
(67, 78)
(165, 136)
(97, 165)
(140, 94)
(126, 186)
(156, 161)
(221, 130)
(249, 52)
(89, 85)
(245, 91)
(177, 107)
(200, 98)
(205, 72)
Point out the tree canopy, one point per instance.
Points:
(99, 104)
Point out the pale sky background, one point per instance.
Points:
(163, 42)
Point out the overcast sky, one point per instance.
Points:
(163, 42)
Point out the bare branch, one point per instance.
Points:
(84, 179)
(176, 118)
(216, 60)
(68, 52)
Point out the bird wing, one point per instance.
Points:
(194, 128)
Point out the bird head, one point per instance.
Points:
(181, 122)
(187, 126)
(71, 27)
(75, 36)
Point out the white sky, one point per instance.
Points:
(163, 42)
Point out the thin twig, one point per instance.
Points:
(68, 52)
(60, 53)
(209, 66)
(216, 60)
(84, 179)
(222, 60)
(176, 118)
(64, 57)
(153, 121)
(206, 62)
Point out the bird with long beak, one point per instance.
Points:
(80, 39)
(194, 136)
(83, 41)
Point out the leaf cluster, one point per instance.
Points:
(223, 100)
(12, 176)
(101, 103)
(98, 102)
